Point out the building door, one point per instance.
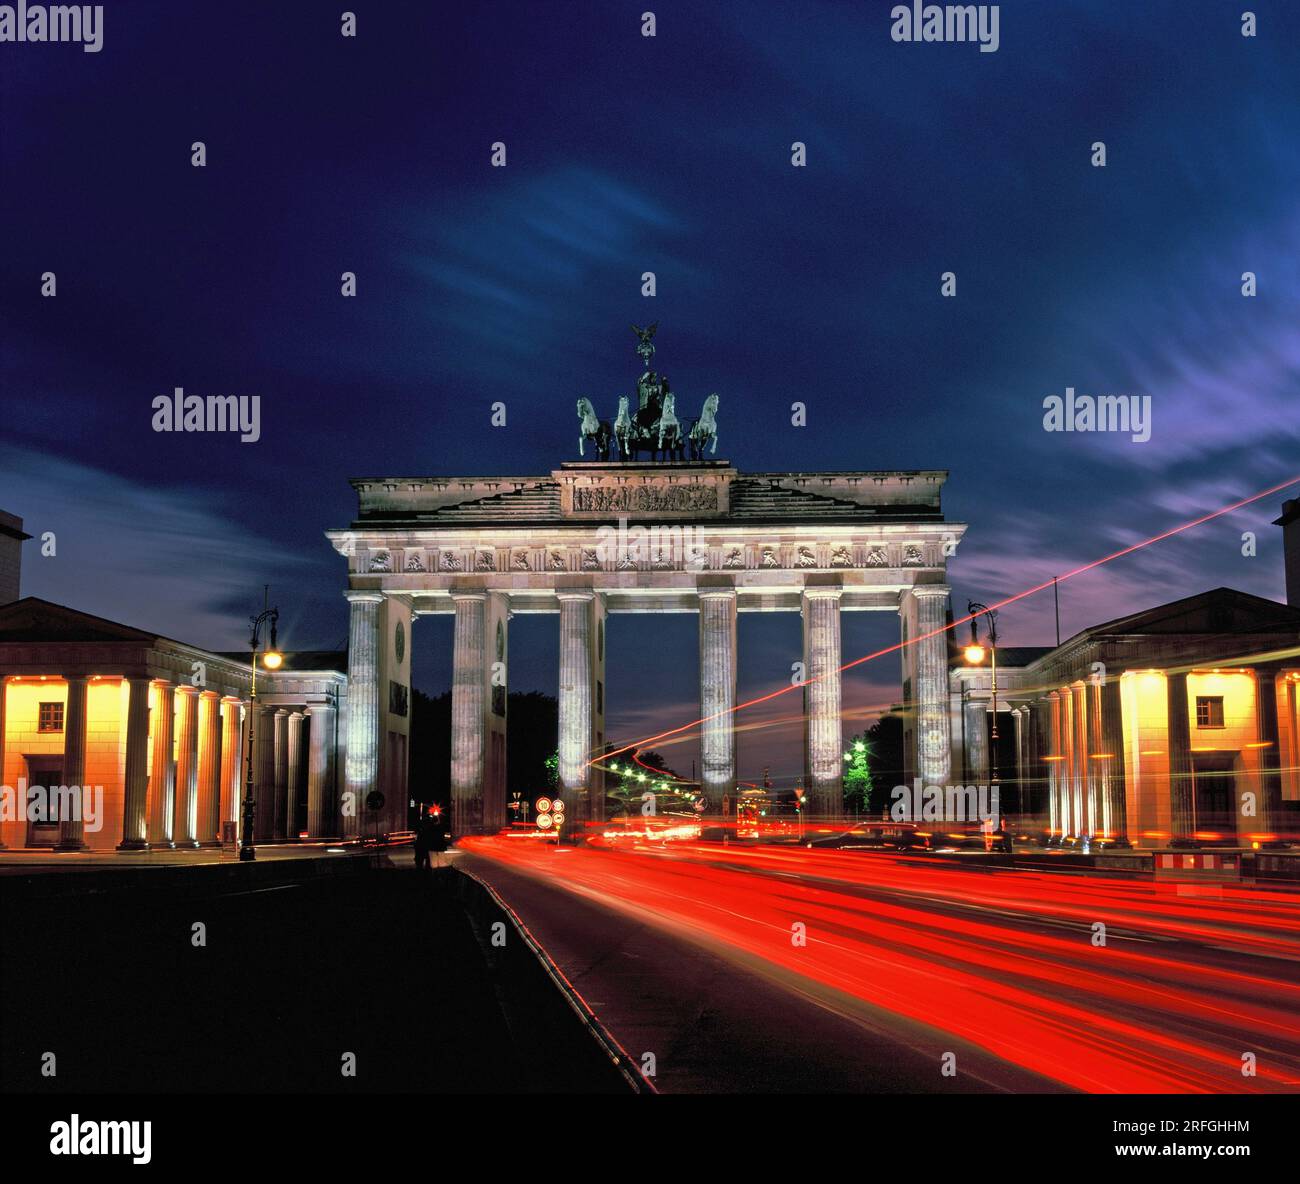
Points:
(1216, 795)
(45, 771)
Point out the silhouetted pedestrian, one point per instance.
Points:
(425, 837)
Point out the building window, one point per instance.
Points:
(1209, 711)
(50, 718)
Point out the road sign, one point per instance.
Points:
(543, 805)
(543, 822)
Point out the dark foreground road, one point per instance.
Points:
(379, 963)
(782, 968)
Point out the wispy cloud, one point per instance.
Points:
(167, 559)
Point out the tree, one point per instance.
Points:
(857, 775)
(885, 759)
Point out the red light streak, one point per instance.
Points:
(1002, 959)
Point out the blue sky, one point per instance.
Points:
(775, 284)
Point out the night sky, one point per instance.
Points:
(629, 154)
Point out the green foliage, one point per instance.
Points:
(857, 775)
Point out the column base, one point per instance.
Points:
(127, 846)
(76, 845)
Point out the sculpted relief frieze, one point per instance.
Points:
(650, 498)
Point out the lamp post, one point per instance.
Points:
(271, 660)
(974, 656)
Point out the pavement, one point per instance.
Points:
(289, 977)
(28, 861)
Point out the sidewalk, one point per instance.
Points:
(28, 862)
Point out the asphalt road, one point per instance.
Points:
(691, 952)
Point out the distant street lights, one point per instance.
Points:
(272, 659)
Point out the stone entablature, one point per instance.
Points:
(687, 488)
(871, 564)
(172, 662)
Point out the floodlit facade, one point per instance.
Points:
(114, 738)
(1177, 724)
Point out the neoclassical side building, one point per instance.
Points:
(157, 728)
(594, 538)
(1180, 723)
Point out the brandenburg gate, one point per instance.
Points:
(605, 536)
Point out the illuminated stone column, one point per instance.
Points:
(1181, 785)
(1114, 799)
(1268, 735)
(1079, 758)
(209, 827)
(162, 780)
(292, 823)
(925, 662)
(1061, 725)
(1095, 767)
(320, 770)
(281, 769)
(977, 741)
(4, 693)
(232, 766)
(1020, 720)
(361, 768)
(824, 740)
(264, 774)
(135, 796)
(72, 830)
(187, 766)
(578, 784)
(1031, 802)
(717, 693)
(469, 704)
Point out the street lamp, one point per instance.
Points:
(272, 659)
(975, 657)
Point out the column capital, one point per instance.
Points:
(360, 597)
(921, 591)
(716, 593)
(822, 592)
(468, 594)
(209, 694)
(575, 594)
(186, 688)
